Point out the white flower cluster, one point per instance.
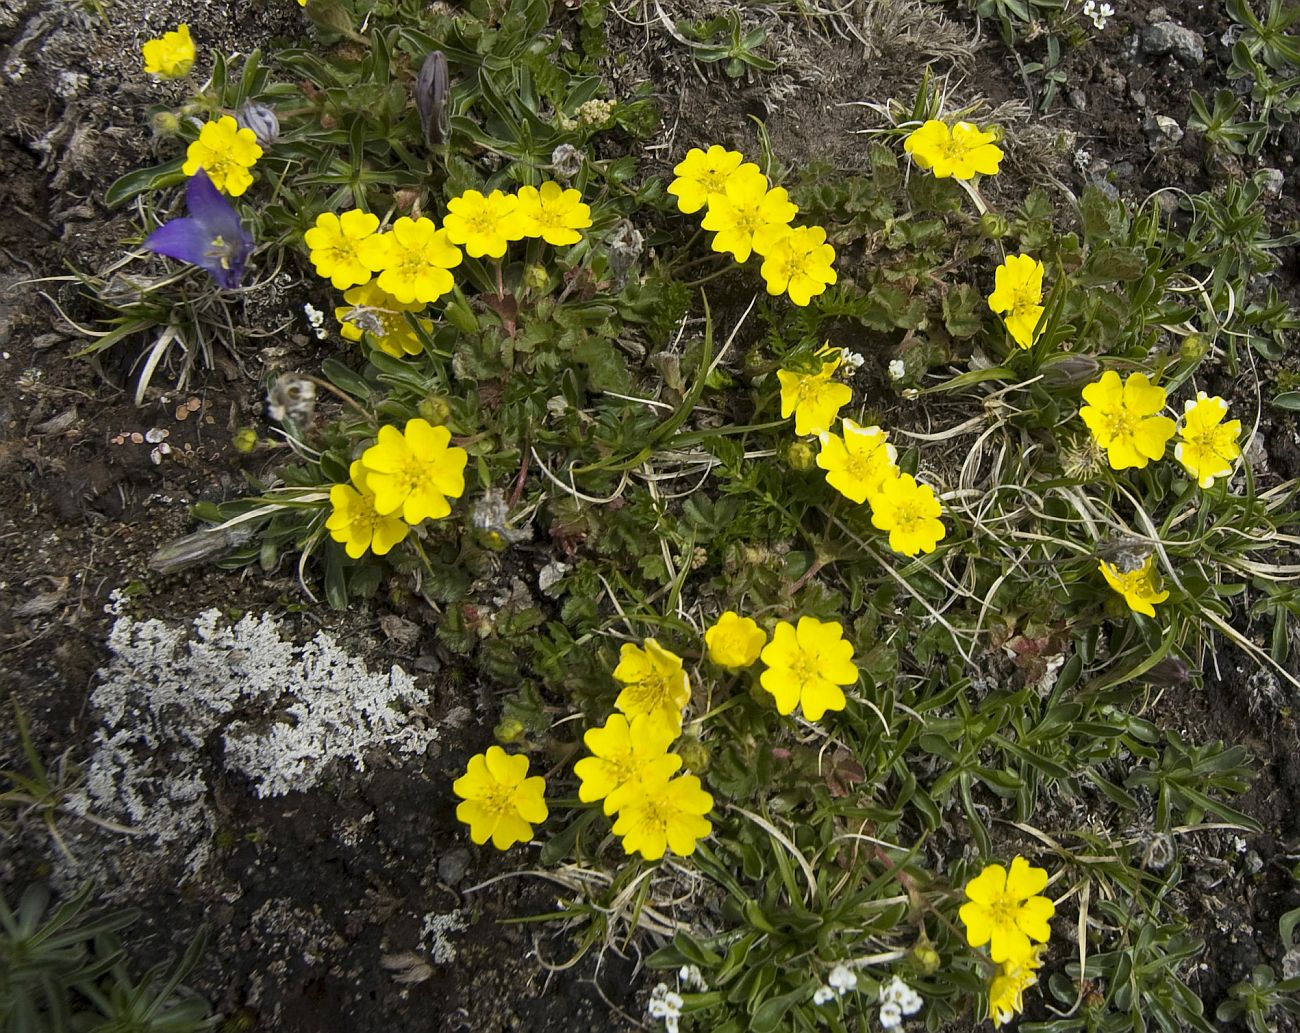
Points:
(665, 1004)
(1099, 13)
(841, 980)
(896, 1000)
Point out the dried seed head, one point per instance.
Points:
(291, 400)
(566, 162)
(625, 247)
(1068, 370)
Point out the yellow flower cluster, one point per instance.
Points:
(226, 153)
(1005, 910)
(961, 151)
(402, 480)
(805, 664)
(748, 217)
(631, 768)
(408, 266)
(860, 463)
(172, 55)
(1140, 586)
(1122, 417)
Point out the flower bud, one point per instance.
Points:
(994, 226)
(433, 98)
(536, 278)
(694, 754)
(509, 731)
(435, 409)
(1068, 370)
(165, 123)
(799, 456)
(997, 132)
(244, 440)
(1194, 347)
(926, 958)
(262, 121)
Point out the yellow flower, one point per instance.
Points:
(807, 665)
(485, 225)
(1018, 291)
(747, 216)
(664, 814)
(334, 241)
(172, 56)
(858, 464)
(1138, 587)
(371, 310)
(354, 522)
(1121, 418)
(625, 754)
(813, 398)
(1208, 445)
(226, 153)
(800, 264)
(1005, 911)
(412, 260)
(654, 683)
(734, 641)
(700, 174)
(961, 151)
(1007, 988)
(413, 471)
(553, 213)
(910, 513)
(500, 802)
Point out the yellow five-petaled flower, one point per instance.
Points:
(501, 802)
(1121, 416)
(372, 310)
(747, 216)
(1018, 294)
(814, 399)
(553, 213)
(355, 523)
(1139, 586)
(962, 151)
(335, 242)
(484, 225)
(225, 152)
(858, 464)
(171, 56)
(702, 173)
(806, 665)
(413, 471)
(625, 754)
(664, 814)
(799, 263)
(909, 511)
(413, 260)
(654, 684)
(1005, 910)
(1208, 446)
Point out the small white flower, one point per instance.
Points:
(852, 360)
(899, 993)
(842, 979)
(891, 1015)
(1099, 13)
(316, 318)
(897, 370)
(823, 995)
(665, 1004)
(1082, 159)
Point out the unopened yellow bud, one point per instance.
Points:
(799, 456)
(508, 731)
(244, 440)
(435, 409)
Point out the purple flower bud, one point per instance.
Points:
(261, 120)
(433, 98)
(212, 237)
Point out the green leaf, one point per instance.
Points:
(143, 180)
(767, 1018)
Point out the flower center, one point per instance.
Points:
(1122, 424)
(499, 800)
(804, 667)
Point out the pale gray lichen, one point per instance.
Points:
(434, 935)
(283, 714)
